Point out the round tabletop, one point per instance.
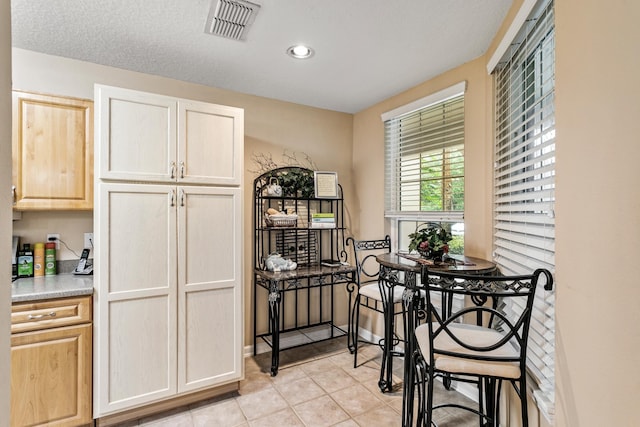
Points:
(413, 263)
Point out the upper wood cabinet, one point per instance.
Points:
(147, 137)
(52, 152)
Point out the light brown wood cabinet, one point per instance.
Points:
(52, 152)
(51, 359)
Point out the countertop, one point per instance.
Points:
(59, 286)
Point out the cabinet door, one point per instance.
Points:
(52, 152)
(210, 257)
(136, 135)
(51, 377)
(210, 143)
(135, 296)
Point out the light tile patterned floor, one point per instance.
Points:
(316, 386)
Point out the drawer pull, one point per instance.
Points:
(40, 316)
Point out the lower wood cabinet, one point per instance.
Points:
(51, 363)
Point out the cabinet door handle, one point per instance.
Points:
(173, 170)
(40, 316)
(182, 198)
(172, 198)
(13, 194)
(181, 169)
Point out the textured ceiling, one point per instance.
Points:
(365, 50)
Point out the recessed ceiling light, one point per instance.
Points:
(300, 51)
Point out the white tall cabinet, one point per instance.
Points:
(168, 256)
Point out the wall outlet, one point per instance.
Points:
(57, 239)
(88, 240)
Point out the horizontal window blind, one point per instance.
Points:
(524, 180)
(424, 159)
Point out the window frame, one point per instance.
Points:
(396, 216)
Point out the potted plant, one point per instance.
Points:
(430, 240)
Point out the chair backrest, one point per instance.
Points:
(365, 252)
(495, 303)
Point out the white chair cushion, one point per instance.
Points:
(472, 335)
(373, 291)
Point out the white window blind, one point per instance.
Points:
(524, 179)
(424, 159)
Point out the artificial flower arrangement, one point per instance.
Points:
(430, 240)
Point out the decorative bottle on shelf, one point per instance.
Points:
(38, 259)
(50, 259)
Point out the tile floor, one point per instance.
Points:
(316, 386)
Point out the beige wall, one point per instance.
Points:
(270, 127)
(597, 210)
(598, 200)
(5, 205)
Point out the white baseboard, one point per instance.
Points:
(369, 336)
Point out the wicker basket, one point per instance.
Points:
(281, 220)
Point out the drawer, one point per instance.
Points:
(50, 314)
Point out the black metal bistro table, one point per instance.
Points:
(391, 264)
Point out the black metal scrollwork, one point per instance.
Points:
(371, 244)
(342, 277)
(273, 297)
(389, 275)
(320, 280)
(480, 285)
(274, 292)
(294, 283)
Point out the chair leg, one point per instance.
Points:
(497, 410)
(419, 384)
(523, 401)
(350, 289)
(429, 408)
(356, 329)
(490, 402)
(482, 401)
(386, 370)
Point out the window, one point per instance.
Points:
(424, 165)
(524, 179)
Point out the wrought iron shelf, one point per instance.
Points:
(294, 303)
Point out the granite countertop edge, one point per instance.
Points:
(50, 287)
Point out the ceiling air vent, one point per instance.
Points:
(231, 18)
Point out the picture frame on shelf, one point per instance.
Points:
(325, 184)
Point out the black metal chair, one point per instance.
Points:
(484, 342)
(369, 295)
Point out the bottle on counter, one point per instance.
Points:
(25, 261)
(38, 259)
(50, 259)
